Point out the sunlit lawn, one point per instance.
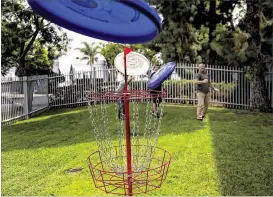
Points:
(230, 153)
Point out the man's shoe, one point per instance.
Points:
(121, 117)
(156, 114)
(199, 118)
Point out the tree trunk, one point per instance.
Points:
(212, 28)
(259, 94)
(30, 88)
(21, 69)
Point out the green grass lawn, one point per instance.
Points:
(230, 153)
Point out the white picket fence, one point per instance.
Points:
(69, 89)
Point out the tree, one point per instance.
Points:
(189, 29)
(89, 51)
(144, 50)
(196, 31)
(250, 46)
(255, 24)
(29, 43)
(110, 51)
(179, 39)
(22, 31)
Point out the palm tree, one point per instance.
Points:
(89, 51)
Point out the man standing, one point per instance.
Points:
(156, 92)
(203, 86)
(120, 101)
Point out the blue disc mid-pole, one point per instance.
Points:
(161, 75)
(122, 21)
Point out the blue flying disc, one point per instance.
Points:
(161, 75)
(122, 21)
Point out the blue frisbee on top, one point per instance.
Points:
(161, 75)
(123, 21)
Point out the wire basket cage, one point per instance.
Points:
(109, 165)
(143, 181)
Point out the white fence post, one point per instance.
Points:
(47, 93)
(25, 90)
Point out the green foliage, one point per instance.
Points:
(148, 53)
(250, 41)
(38, 57)
(26, 34)
(189, 29)
(89, 51)
(205, 31)
(184, 89)
(110, 51)
(236, 48)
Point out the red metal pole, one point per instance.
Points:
(127, 127)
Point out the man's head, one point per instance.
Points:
(130, 78)
(202, 68)
(156, 67)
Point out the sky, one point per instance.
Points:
(70, 58)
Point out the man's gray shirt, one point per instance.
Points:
(204, 87)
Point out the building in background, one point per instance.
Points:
(56, 66)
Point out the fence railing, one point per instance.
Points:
(23, 97)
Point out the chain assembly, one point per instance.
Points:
(144, 137)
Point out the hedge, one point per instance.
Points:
(186, 89)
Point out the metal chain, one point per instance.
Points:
(154, 139)
(159, 124)
(121, 130)
(93, 122)
(136, 132)
(110, 147)
(143, 145)
(134, 159)
(150, 145)
(103, 136)
(155, 122)
(94, 115)
(142, 148)
(146, 135)
(100, 127)
(119, 165)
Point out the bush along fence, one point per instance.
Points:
(27, 96)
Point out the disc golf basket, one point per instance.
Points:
(128, 160)
(121, 165)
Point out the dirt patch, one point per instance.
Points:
(74, 170)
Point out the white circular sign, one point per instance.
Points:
(137, 64)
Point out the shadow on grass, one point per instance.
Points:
(243, 149)
(63, 127)
(48, 130)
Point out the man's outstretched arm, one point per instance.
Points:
(197, 81)
(212, 87)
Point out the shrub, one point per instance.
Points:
(186, 89)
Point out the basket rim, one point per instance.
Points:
(126, 172)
